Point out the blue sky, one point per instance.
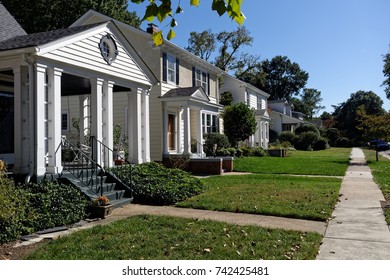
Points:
(340, 43)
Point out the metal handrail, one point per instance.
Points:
(83, 167)
(108, 155)
(199, 148)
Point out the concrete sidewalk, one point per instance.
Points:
(358, 229)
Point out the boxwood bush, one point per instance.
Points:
(155, 184)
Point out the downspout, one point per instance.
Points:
(31, 111)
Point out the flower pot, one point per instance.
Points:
(101, 211)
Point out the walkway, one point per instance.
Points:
(358, 230)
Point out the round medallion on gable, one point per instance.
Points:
(108, 49)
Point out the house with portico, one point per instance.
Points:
(94, 62)
(184, 105)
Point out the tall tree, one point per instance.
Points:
(239, 122)
(284, 78)
(202, 44)
(372, 126)
(312, 100)
(44, 15)
(346, 113)
(386, 72)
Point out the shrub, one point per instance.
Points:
(215, 140)
(13, 209)
(321, 144)
(247, 151)
(286, 136)
(307, 128)
(155, 184)
(54, 204)
(227, 152)
(259, 152)
(343, 142)
(305, 140)
(332, 134)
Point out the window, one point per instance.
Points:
(210, 123)
(201, 78)
(65, 122)
(258, 103)
(170, 69)
(248, 99)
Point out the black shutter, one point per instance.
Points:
(164, 67)
(193, 77)
(208, 83)
(177, 72)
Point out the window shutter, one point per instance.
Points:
(165, 67)
(193, 77)
(177, 72)
(208, 83)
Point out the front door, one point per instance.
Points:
(171, 132)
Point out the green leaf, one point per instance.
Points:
(173, 22)
(164, 10)
(234, 11)
(151, 12)
(171, 34)
(194, 3)
(158, 38)
(219, 6)
(179, 10)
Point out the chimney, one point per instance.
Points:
(152, 28)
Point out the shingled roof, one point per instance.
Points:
(9, 27)
(37, 39)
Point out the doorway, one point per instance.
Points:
(171, 132)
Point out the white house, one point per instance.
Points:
(185, 104)
(255, 99)
(283, 117)
(93, 62)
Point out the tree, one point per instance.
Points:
(239, 123)
(226, 98)
(312, 99)
(373, 126)
(346, 113)
(283, 79)
(57, 14)
(166, 10)
(202, 44)
(386, 72)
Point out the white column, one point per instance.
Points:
(108, 122)
(199, 134)
(84, 117)
(96, 116)
(135, 129)
(40, 112)
(145, 127)
(187, 130)
(54, 118)
(21, 121)
(179, 146)
(165, 129)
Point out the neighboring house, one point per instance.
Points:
(185, 104)
(93, 62)
(283, 117)
(255, 99)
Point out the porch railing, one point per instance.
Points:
(113, 159)
(79, 163)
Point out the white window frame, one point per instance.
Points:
(171, 69)
(199, 76)
(210, 123)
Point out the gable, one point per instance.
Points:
(85, 52)
(9, 27)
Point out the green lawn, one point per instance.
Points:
(166, 238)
(380, 170)
(331, 162)
(302, 197)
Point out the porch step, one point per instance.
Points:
(115, 191)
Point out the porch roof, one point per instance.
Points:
(41, 38)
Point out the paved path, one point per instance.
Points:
(358, 230)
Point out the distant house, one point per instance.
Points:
(255, 99)
(283, 118)
(38, 72)
(184, 105)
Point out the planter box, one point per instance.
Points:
(277, 152)
(101, 211)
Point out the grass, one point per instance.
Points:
(331, 162)
(380, 170)
(164, 238)
(301, 197)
